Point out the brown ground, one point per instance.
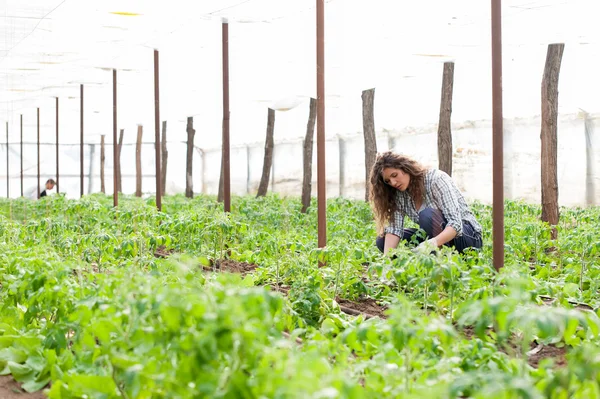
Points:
(231, 266)
(10, 389)
(537, 352)
(367, 305)
(163, 252)
(549, 351)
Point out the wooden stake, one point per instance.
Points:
(189, 181)
(368, 97)
(308, 155)
(444, 125)
(268, 160)
(549, 136)
(102, 159)
(165, 157)
(138, 162)
(119, 147)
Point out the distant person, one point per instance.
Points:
(49, 186)
(400, 186)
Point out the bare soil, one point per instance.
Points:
(367, 305)
(231, 266)
(537, 352)
(163, 252)
(10, 389)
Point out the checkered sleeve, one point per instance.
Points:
(396, 226)
(446, 194)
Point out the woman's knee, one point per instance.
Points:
(432, 221)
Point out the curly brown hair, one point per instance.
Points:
(383, 196)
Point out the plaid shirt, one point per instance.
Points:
(440, 193)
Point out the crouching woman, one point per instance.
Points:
(400, 187)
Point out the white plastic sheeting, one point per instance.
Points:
(51, 46)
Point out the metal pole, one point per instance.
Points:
(38, 153)
(226, 159)
(7, 165)
(115, 194)
(81, 139)
(57, 161)
(157, 131)
(497, 142)
(21, 155)
(321, 195)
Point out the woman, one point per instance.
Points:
(400, 187)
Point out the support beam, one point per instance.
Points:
(81, 140)
(7, 164)
(22, 154)
(38, 153)
(189, 164)
(321, 176)
(497, 140)
(157, 130)
(268, 158)
(57, 152)
(138, 162)
(115, 155)
(226, 152)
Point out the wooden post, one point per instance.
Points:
(165, 157)
(342, 165)
(91, 168)
(590, 189)
(203, 161)
(497, 138)
(119, 147)
(57, 159)
(247, 169)
(7, 164)
(102, 159)
(22, 155)
(549, 135)
(444, 125)
(221, 194)
(38, 153)
(268, 160)
(226, 169)
(80, 139)
(157, 158)
(368, 97)
(115, 155)
(321, 164)
(308, 155)
(189, 181)
(138, 162)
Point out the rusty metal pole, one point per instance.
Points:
(115, 193)
(7, 165)
(57, 161)
(81, 139)
(497, 141)
(38, 153)
(226, 154)
(157, 131)
(321, 193)
(21, 155)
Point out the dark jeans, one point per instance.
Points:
(433, 222)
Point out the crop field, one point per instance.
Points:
(127, 302)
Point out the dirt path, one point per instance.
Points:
(10, 389)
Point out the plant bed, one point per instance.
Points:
(231, 266)
(10, 389)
